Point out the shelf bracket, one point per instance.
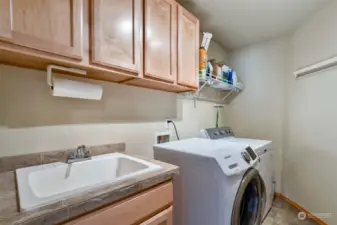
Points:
(197, 94)
(226, 96)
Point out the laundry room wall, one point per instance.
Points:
(215, 51)
(258, 111)
(31, 120)
(309, 162)
(34, 121)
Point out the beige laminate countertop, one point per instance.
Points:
(76, 205)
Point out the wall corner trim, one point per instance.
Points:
(300, 208)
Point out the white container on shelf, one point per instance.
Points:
(239, 85)
(235, 79)
(217, 84)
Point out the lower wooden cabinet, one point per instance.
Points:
(151, 207)
(163, 218)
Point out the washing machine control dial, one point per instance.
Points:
(246, 157)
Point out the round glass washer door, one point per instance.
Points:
(248, 205)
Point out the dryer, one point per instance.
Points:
(217, 184)
(262, 148)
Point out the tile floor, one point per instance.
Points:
(284, 214)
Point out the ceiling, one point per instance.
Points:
(237, 23)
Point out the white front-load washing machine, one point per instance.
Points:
(217, 182)
(262, 148)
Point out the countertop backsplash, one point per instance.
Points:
(12, 163)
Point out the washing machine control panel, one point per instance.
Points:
(217, 133)
(236, 161)
(251, 153)
(246, 157)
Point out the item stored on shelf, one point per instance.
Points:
(230, 76)
(209, 69)
(203, 53)
(206, 40)
(202, 61)
(224, 71)
(235, 79)
(216, 69)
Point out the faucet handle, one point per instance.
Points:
(82, 151)
(87, 153)
(71, 155)
(81, 147)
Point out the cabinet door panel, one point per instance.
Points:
(163, 218)
(5, 20)
(47, 25)
(116, 34)
(188, 48)
(161, 39)
(131, 210)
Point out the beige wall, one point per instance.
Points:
(34, 121)
(215, 51)
(258, 111)
(316, 39)
(309, 163)
(298, 115)
(31, 120)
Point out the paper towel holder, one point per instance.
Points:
(50, 72)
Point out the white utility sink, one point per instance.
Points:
(45, 184)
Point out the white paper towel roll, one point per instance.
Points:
(76, 89)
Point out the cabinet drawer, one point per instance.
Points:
(132, 210)
(162, 218)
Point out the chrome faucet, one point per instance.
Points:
(80, 154)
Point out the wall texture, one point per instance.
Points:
(31, 120)
(298, 115)
(216, 52)
(309, 162)
(258, 111)
(34, 121)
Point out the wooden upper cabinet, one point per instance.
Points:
(163, 218)
(53, 26)
(161, 40)
(188, 48)
(116, 30)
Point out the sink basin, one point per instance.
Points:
(45, 184)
